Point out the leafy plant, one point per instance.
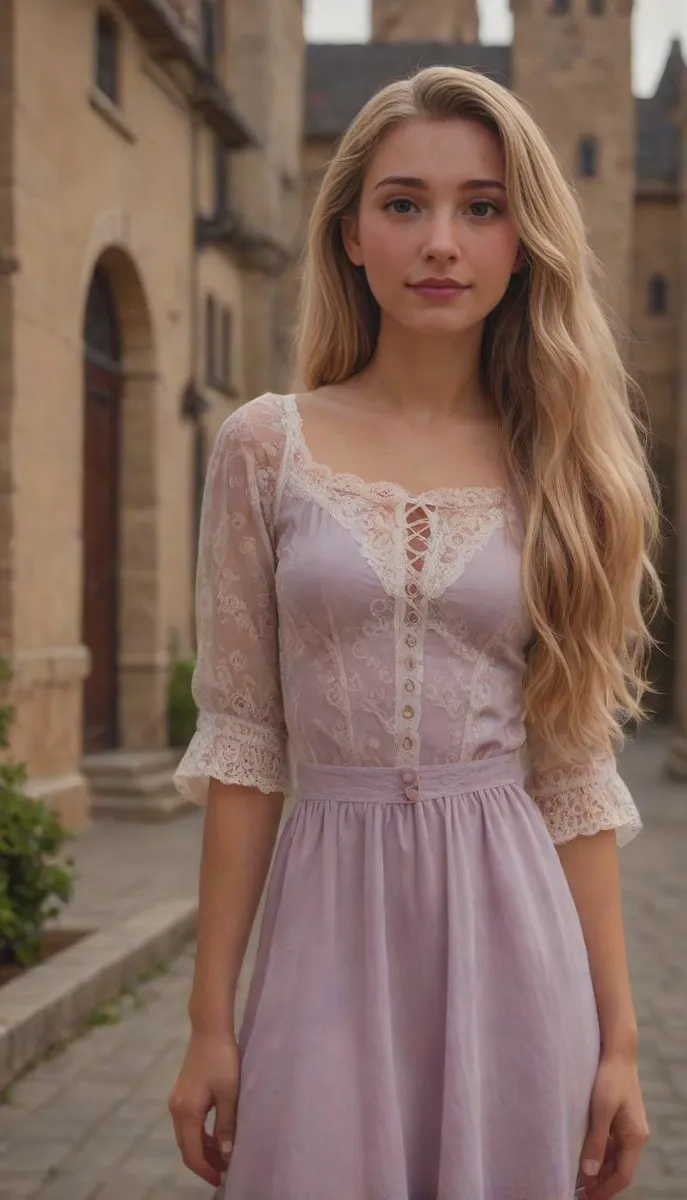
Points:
(182, 712)
(33, 885)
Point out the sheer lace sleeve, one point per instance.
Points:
(580, 800)
(240, 736)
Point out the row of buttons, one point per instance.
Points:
(410, 664)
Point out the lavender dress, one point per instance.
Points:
(421, 1023)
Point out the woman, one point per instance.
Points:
(440, 1008)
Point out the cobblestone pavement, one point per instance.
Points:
(91, 1123)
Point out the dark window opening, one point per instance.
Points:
(588, 157)
(209, 33)
(658, 295)
(225, 348)
(210, 339)
(221, 177)
(597, 8)
(101, 326)
(560, 7)
(107, 56)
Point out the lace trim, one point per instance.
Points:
(381, 490)
(384, 517)
(577, 801)
(233, 751)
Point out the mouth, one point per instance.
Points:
(439, 289)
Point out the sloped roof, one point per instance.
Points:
(669, 88)
(341, 78)
(658, 143)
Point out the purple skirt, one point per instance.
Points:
(421, 1022)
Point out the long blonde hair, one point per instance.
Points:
(575, 445)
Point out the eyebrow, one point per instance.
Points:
(420, 184)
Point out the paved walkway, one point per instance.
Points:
(91, 1124)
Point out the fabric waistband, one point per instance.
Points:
(401, 784)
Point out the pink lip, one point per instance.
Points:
(438, 287)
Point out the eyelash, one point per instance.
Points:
(404, 200)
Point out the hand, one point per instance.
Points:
(618, 1129)
(209, 1078)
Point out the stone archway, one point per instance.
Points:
(125, 697)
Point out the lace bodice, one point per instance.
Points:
(352, 623)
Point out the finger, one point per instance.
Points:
(189, 1128)
(225, 1124)
(596, 1142)
(212, 1153)
(623, 1173)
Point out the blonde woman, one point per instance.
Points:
(423, 575)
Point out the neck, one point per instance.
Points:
(435, 374)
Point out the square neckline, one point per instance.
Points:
(382, 488)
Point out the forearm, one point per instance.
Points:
(591, 868)
(239, 833)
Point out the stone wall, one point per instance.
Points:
(431, 20)
(574, 73)
(7, 288)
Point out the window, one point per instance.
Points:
(597, 8)
(658, 295)
(107, 56)
(209, 33)
(221, 175)
(560, 7)
(210, 339)
(588, 157)
(218, 345)
(225, 349)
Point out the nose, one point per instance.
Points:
(442, 238)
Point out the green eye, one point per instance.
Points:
(487, 207)
(392, 204)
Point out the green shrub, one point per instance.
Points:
(33, 886)
(181, 707)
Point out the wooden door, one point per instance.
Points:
(102, 387)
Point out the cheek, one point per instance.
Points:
(384, 246)
(497, 254)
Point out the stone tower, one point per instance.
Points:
(425, 21)
(571, 64)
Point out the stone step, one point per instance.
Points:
(135, 785)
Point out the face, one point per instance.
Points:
(433, 230)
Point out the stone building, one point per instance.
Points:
(570, 61)
(154, 183)
(149, 202)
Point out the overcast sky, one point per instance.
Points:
(656, 22)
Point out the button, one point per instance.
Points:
(408, 777)
(413, 617)
(410, 664)
(409, 685)
(412, 589)
(407, 743)
(408, 712)
(413, 793)
(410, 639)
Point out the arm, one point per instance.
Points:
(589, 812)
(591, 868)
(240, 830)
(235, 765)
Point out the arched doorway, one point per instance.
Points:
(101, 473)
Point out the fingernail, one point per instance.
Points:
(591, 1167)
(226, 1148)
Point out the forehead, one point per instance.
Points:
(447, 151)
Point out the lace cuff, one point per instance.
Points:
(233, 751)
(578, 801)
